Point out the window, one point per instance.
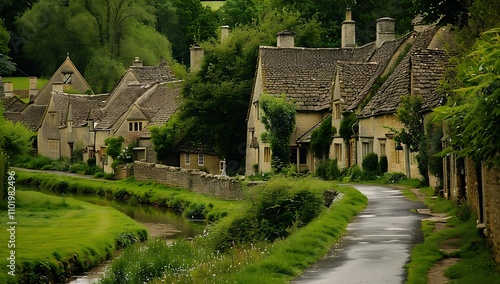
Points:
(267, 155)
(135, 126)
(293, 156)
(257, 110)
(366, 148)
(382, 148)
(303, 156)
(201, 160)
(187, 159)
(52, 118)
(397, 159)
(53, 145)
(70, 126)
(67, 77)
(337, 151)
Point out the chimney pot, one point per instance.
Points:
(196, 58)
(385, 30)
(137, 62)
(224, 33)
(58, 87)
(285, 39)
(8, 89)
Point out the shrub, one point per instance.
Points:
(49, 168)
(370, 163)
(78, 168)
(328, 170)
(91, 162)
(354, 173)
(322, 169)
(395, 177)
(383, 164)
(37, 162)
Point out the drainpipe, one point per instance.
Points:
(407, 161)
(355, 143)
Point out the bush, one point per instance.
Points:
(370, 163)
(383, 164)
(91, 162)
(354, 173)
(322, 169)
(78, 168)
(49, 168)
(37, 162)
(328, 170)
(394, 177)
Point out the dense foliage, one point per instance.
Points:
(322, 137)
(348, 125)
(473, 113)
(279, 121)
(165, 138)
(16, 140)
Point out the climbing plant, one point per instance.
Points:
(349, 120)
(279, 121)
(322, 137)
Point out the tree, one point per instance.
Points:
(473, 112)
(321, 138)
(166, 137)
(15, 139)
(279, 121)
(455, 12)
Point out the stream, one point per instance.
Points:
(161, 222)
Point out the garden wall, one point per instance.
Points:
(215, 185)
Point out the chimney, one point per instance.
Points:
(8, 89)
(58, 87)
(348, 31)
(33, 90)
(285, 39)
(197, 54)
(137, 62)
(224, 33)
(385, 30)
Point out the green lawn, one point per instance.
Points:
(56, 237)
(215, 5)
(23, 83)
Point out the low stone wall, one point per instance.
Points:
(215, 185)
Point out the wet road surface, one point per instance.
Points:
(376, 245)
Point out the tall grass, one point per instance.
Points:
(58, 237)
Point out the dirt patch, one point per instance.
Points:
(436, 273)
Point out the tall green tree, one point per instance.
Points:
(279, 121)
(455, 12)
(15, 139)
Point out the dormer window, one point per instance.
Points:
(135, 126)
(67, 75)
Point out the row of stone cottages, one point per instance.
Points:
(322, 81)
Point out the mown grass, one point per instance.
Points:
(476, 263)
(23, 83)
(214, 5)
(262, 262)
(58, 237)
(145, 192)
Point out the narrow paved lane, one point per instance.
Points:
(377, 245)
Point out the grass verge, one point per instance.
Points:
(476, 264)
(57, 237)
(145, 192)
(263, 262)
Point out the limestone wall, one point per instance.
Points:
(491, 188)
(219, 186)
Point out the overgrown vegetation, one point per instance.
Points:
(279, 121)
(321, 138)
(60, 237)
(249, 262)
(476, 264)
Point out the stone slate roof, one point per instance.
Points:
(190, 147)
(382, 56)
(397, 84)
(14, 104)
(149, 74)
(428, 67)
(81, 107)
(353, 77)
(306, 74)
(31, 116)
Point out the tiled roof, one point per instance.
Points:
(428, 67)
(14, 104)
(305, 74)
(81, 107)
(382, 56)
(150, 74)
(192, 148)
(31, 116)
(397, 84)
(353, 77)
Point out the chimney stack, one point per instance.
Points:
(8, 89)
(224, 33)
(33, 90)
(196, 58)
(385, 30)
(285, 39)
(58, 87)
(348, 30)
(137, 62)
